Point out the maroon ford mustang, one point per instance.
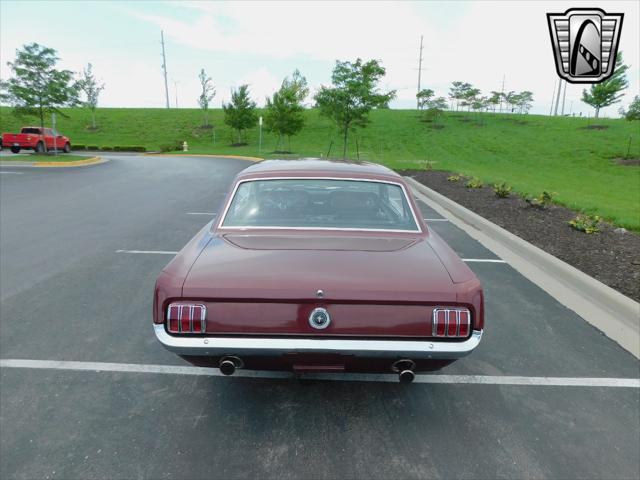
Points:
(318, 266)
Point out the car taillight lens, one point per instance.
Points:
(186, 318)
(451, 322)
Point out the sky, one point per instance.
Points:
(260, 43)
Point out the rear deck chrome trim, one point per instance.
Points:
(246, 346)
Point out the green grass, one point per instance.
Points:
(34, 157)
(532, 153)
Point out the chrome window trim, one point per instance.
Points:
(220, 225)
(246, 346)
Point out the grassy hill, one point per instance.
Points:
(569, 156)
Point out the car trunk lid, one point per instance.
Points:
(270, 284)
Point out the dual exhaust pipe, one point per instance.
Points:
(228, 365)
(404, 368)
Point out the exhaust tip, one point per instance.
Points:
(227, 367)
(406, 376)
(403, 364)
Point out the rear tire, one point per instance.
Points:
(40, 147)
(67, 147)
(15, 149)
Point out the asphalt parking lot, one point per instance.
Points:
(71, 291)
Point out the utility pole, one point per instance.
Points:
(419, 71)
(164, 68)
(175, 87)
(564, 96)
(555, 110)
(553, 95)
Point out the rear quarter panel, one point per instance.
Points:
(171, 279)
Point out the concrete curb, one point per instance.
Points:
(616, 315)
(71, 163)
(187, 154)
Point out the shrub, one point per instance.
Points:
(78, 146)
(106, 149)
(541, 201)
(171, 147)
(633, 113)
(129, 148)
(454, 178)
(586, 223)
(475, 182)
(501, 189)
(93, 147)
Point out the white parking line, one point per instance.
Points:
(157, 252)
(211, 214)
(485, 260)
(428, 378)
(11, 173)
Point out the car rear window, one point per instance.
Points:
(320, 204)
(31, 130)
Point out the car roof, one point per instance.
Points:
(318, 167)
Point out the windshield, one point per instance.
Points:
(320, 204)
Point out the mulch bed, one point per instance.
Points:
(611, 257)
(595, 127)
(629, 162)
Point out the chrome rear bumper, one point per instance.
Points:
(269, 346)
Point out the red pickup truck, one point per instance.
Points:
(35, 138)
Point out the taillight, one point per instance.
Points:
(451, 322)
(186, 318)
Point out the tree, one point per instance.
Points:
(206, 95)
(633, 112)
(284, 111)
(479, 104)
(240, 113)
(37, 88)
(469, 96)
(354, 93)
(509, 99)
(523, 101)
(458, 91)
(495, 99)
(91, 88)
(424, 97)
(607, 93)
(436, 107)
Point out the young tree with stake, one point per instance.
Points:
(424, 97)
(608, 92)
(284, 111)
(37, 87)
(206, 95)
(240, 113)
(91, 88)
(354, 93)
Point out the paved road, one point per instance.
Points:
(67, 295)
